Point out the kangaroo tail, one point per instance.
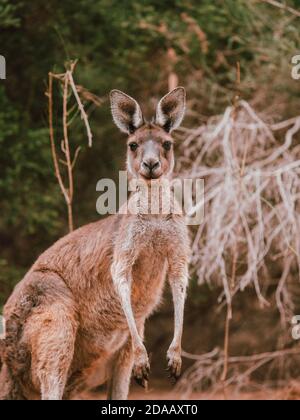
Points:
(15, 357)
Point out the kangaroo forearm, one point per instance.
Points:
(124, 291)
(178, 287)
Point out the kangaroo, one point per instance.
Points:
(82, 306)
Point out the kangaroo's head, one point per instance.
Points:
(150, 145)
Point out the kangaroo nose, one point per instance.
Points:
(151, 164)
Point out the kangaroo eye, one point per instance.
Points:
(133, 146)
(167, 145)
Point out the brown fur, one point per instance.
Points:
(67, 315)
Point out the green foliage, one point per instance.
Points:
(9, 276)
(7, 14)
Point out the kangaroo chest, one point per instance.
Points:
(148, 276)
(150, 267)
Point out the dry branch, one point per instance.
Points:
(248, 196)
(283, 7)
(252, 199)
(205, 372)
(67, 81)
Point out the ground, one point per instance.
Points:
(289, 393)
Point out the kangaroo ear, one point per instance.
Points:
(126, 112)
(170, 109)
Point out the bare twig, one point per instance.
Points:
(80, 106)
(282, 6)
(67, 80)
(240, 369)
(66, 149)
(52, 142)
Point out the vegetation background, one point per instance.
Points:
(140, 47)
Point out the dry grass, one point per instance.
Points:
(251, 225)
